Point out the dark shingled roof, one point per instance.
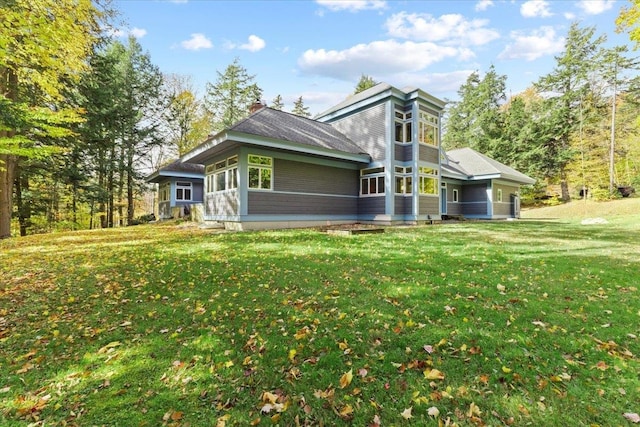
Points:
(178, 166)
(275, 124)
(470, 163)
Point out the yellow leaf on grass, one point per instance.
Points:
(506, 370)
(292, 354)
(433, 374)
(346, 411)
(346, 378)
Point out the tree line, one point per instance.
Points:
(83, 116)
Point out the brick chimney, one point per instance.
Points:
(256, 106)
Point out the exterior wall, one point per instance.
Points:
(454, 208)
(368, 129)
(371, 206)
(429, 154)
(503, 209)
(429, 205)
(403, 205)
(164, 210)
(313, 178)
(403, 152)
(474, 200)
(222, 204)
(274, 203)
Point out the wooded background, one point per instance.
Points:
(84, 118)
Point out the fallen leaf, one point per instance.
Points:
(433, 374)
(346, 411)
(346, 378)
(406, 414)
(633, 417)
(433, 412)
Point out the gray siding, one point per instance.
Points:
(404, 152)
(367, 129)
(503, 208)
(311, 178)
(454, 208)
(474, 199)
(429, 205)
(273, 203)
(221, 204)
(403, 205)
(371, 205)
(429, 153)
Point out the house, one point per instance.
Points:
(374, 158)
(180, 187)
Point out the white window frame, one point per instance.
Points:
(222, 175)
(263, 165)
(403, 125)
(456, 196)
(403, 180)
(426, 173)
(184, 186)
(499, 195)
(428, 125)
(372, 182)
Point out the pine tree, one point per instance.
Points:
(365, 83)
(228, 99)
(300, 109)
(277, 103)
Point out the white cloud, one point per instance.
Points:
(254, 44)
(595, 7)
(451, 28)
(138, 32)
(483, 5)
(196, 42)
(535, 9)
(126, 32)
(352, 5)
(531, 46)
(382, 58)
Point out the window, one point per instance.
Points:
(428, 181)
(499, 195)
(428, 129)
(403, 127)
(455, 196)
(164, 192)
(222, 175)
(371, 181)
(404, 180)
(183, 191)
(260, 172)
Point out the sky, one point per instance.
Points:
(320, 49)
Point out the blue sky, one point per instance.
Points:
(319, 49)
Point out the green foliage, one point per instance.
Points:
(277, 103)
(300, 109)
(364, 83)
(478, 323)
(228, 99)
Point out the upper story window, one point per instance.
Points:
(403, 129)
(183, 191)
(428, 181)
(428, 129)
(372, 181)
(404, 180)
(260, 172)
(222, 175)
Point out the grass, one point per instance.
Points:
(479, 323)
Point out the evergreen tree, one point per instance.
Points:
(277, 103)
(566, 86)
(300, 109)
(228, 99)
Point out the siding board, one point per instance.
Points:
(371, 205)
(428, 153)
(300, 177)
(274, 203)
(367, 129)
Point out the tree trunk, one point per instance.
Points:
(23, 207)
(8, 166)
(130, 205)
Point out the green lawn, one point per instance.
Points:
(476, 323)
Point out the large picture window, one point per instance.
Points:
(260, 172)
(428, 129)
(183, 191)
(428, 181)
(371, 181)
(222, 175)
